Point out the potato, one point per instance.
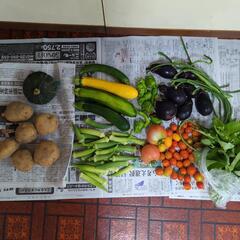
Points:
(7, 148)
(22, 160)
(46, 123)
(26, 133)
(18, 112)
(46, 153)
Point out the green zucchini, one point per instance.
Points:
(115, 118)
(112, 71)
(116, 103)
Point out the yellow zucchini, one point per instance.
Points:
(120, 89)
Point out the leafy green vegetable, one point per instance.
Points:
(223, 141)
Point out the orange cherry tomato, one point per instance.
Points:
(168, 171)
(183, 171)
(166, 163)
(191, 170)
(174, 175)
(179, 164)
(173, 162)
(168, 155)
(159, 171)
(187, 186)
(186, 163)
(173, 127)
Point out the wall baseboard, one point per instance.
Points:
(116, 31)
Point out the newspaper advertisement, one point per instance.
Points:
(131, 55)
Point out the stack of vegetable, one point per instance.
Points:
(45, 153)
(102, 153)
(104, 98)
(173, 148)
(188, 81)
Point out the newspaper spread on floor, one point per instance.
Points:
(131, 55)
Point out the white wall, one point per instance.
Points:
(87, 12)
(183, 14)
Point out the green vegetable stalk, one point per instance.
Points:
(106, 150)
(104, 145)
(92, 169)
(90, 122)
(123, 171)
(92, 132)
(117, 158)
(101, 180)
(127, 140)
(83, 153)
(102, 140)
(104, 157)
(92, 181)
(112, 166)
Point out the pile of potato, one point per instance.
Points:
(45, 153)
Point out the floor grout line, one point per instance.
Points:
(4, 226)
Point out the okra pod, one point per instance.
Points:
(112, 166)
(130, 149)
(85, 158)
(101, 180)
(120, 134)
(93, 132)
(106, 150)
(127, 140)
(92, 181)
(103, 157)
(116, 158)
(122, 171)
(80, 154)
(101, 140)
(92, 123)
(104, 145)
(89, 168)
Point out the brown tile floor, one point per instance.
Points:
(119, 219)
(114, 219)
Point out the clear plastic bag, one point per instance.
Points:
(222, 184)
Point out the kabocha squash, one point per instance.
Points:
(119, 89)
(40, 88)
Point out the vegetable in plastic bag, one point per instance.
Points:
(222, 184)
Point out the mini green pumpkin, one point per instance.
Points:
(40, 88)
